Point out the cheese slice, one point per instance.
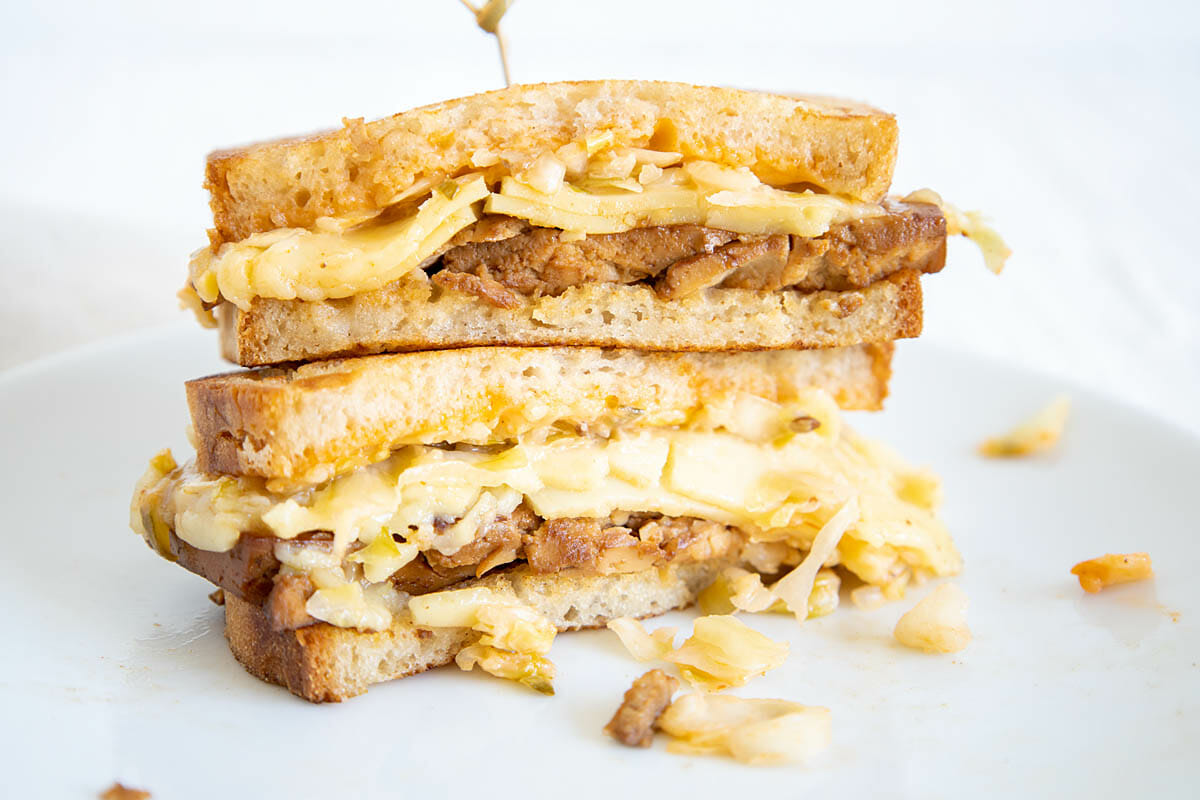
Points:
(294, 263)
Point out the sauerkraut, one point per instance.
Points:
(753, 731)
(937, 624)
(722, 652)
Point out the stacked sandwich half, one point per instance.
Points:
(535, 359)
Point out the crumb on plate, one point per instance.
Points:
(119, 791)
(1035, 435)
(1113, 568)
(937, 624)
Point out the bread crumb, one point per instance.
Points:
(1035, 435)
(120, 792)
(1110, 569)
(218, 597)
(937, 624)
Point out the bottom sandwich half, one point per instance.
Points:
(324, 662)
(426, 547)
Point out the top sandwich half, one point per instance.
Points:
(614, 213)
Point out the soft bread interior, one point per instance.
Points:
(419, 316)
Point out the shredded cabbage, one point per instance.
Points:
(514, 640)
(532, 671)
(1035, 435)
(937, 624)
(518, 629)
(749, 594)
(641, 645)
(737, 589)
(724, 652)
(796, 587)
(546, 174)
(383, 556)
(753, 731)
(721, 652)
(824, 597)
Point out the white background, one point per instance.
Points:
(1073, 124)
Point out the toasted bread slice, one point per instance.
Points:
(307, 423)
(836, 145)
(421, 316)
(323, 663)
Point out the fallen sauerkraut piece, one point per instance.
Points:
(533, 671)
(721, 652)
(653, 646)
(970, 224)
(1097, 573)
(1037, 434)
(937, 624)
(753, 731)
(515, 638)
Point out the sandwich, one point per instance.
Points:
(630, 214)
(533, 360)
(583, 484)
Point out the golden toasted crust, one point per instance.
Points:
(881, 369)
(417, 315)
(307, 423)
(323, 663)
(840, 146)
(318, 662)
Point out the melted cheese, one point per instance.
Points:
(757, 211)
(970, 224)
(339, 259)
(327, 262)
(780, 485)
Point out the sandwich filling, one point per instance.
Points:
(586, 213)
(754, 481)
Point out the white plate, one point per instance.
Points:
(114, 666)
